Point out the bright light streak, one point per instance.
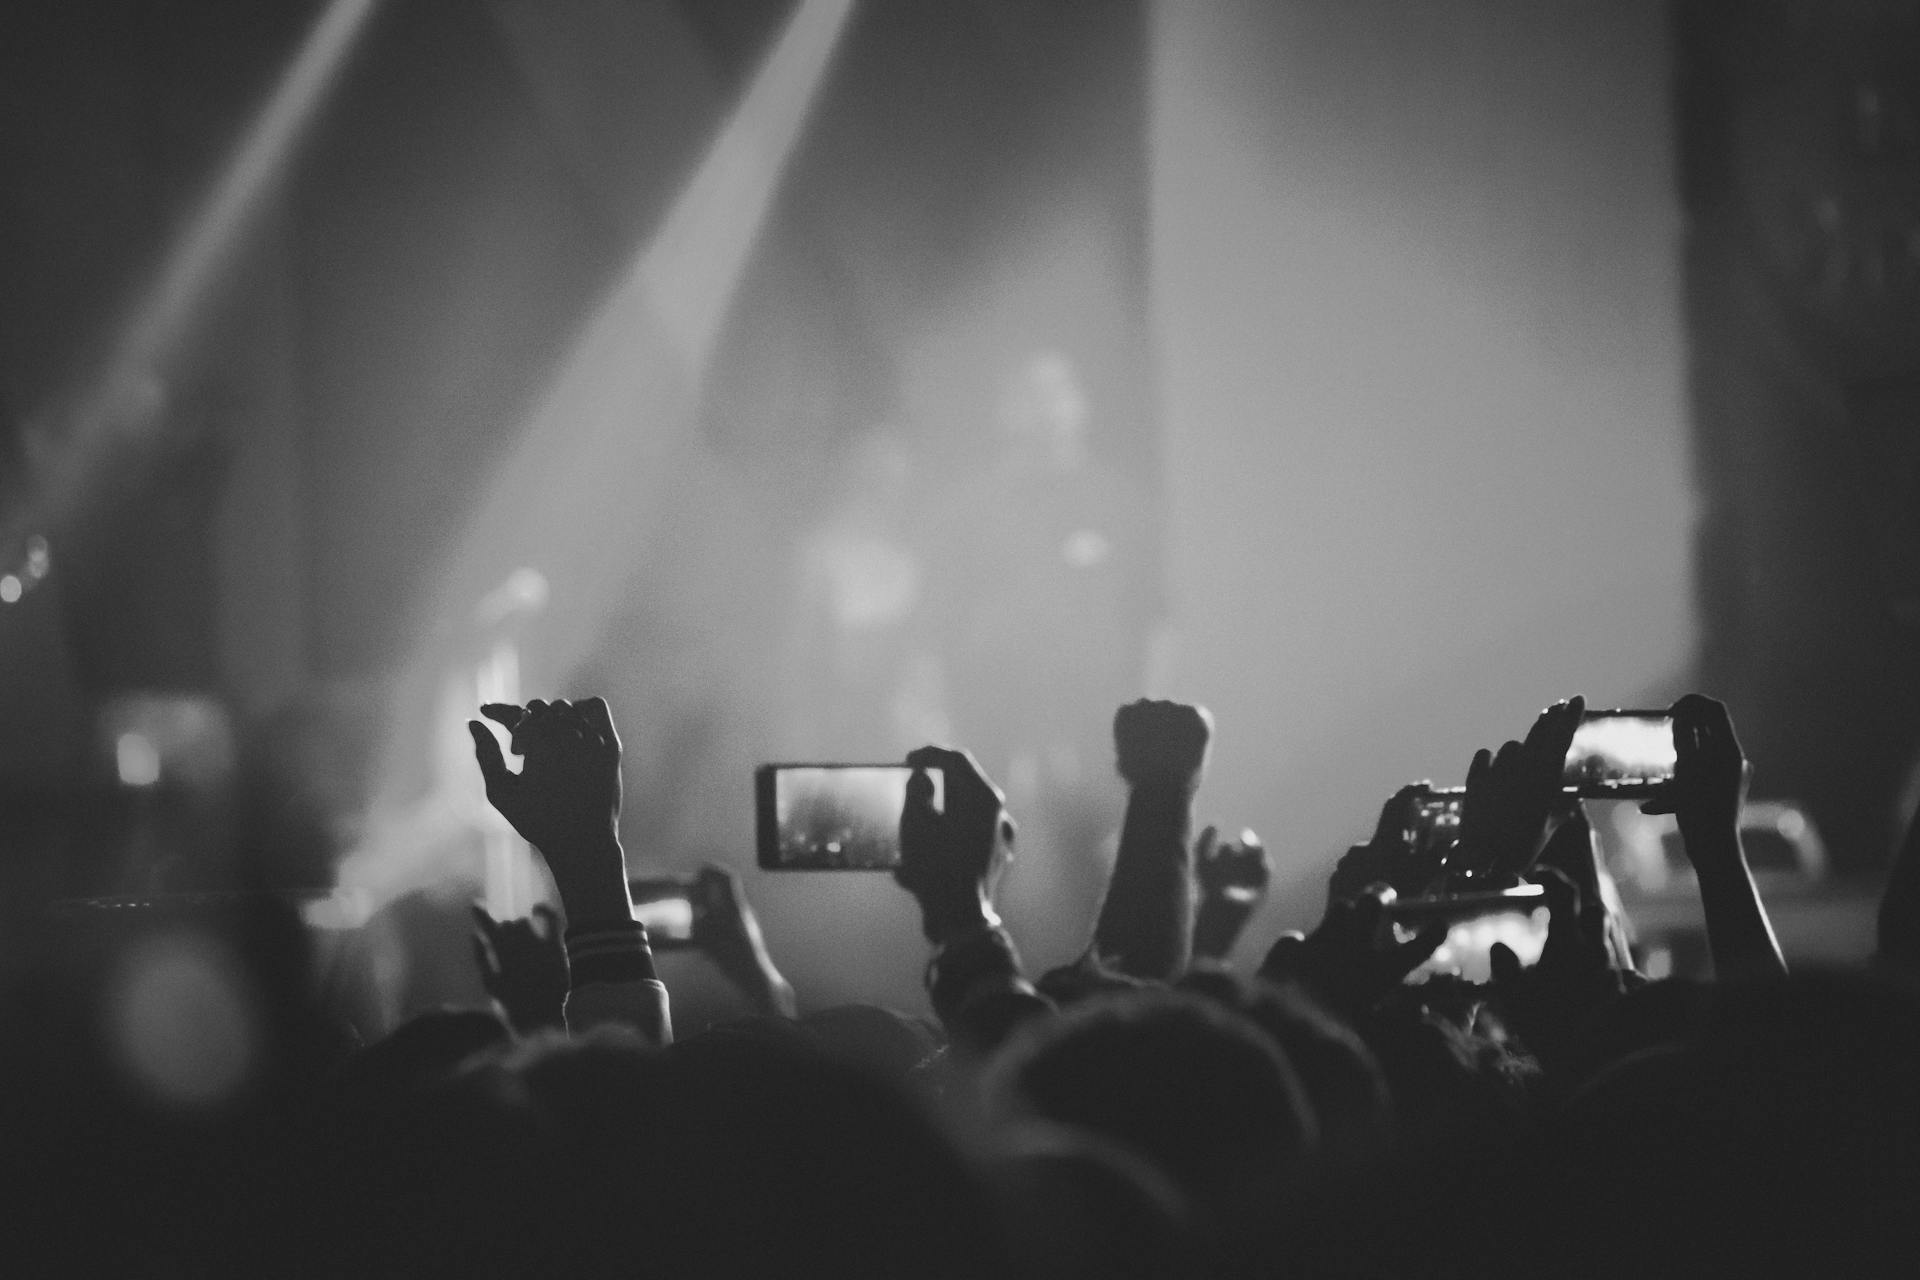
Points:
(153, 329)
(571, 500)
(574, 498)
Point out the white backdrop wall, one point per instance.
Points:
(1418, 296)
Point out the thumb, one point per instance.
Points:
(493, 766)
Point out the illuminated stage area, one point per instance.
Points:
(492, 492)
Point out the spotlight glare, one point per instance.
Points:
(155, 326)
(577, 489)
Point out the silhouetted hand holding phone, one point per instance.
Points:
(1232, 876)
(1353, 957)
(523, 966)
(950, 859)
(1390, 857)
(1705, 795)
(1514, 799)
(1710, 773)
(1578, 974)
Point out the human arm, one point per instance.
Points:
(523, 966)
(565, 802)
(950, 859)
(1584, 966)
(1353, 958)
(1514, 801)
(1232, 878)
(1705, 795)
(1145, 928)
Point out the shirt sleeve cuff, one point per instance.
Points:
(609, 953)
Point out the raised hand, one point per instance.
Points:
(1232, 876)
(1577, 949)
(565, 801)
(951, 858)
(725, 927)
(1515, 800)
(1710, 771)
(1354, 957)
(1390, 857)
(1161, 742)
(1708, 787)
(523, 966)
(1145, 928)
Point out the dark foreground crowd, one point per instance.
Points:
(1146, 1111)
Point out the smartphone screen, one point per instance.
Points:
(832, 817)
(1620, 754)
(666, 908)
(1436, 816)
(1468, 943)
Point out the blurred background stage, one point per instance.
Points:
(818, 378)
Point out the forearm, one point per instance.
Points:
(978, 989)
(612, 981)
(1739, 933)
(611, 975)
(1217, 925)
(769, 989)
(1146, 921)
(591, 875)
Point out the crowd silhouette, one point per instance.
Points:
(1144, 1111)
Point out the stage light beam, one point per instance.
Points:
(155, 326)
(573, 500)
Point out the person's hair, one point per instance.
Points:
(1197, 1089)
(1342, 1079)
(745, 1154)
(1079, 1205)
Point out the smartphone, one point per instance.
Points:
(668, 907)
(832, 817)
(1466, 906)
(1620, 755)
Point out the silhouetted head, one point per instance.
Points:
(1777, 1139)
(1342, 1078)
(1197, 1089)
(1079, 1205)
